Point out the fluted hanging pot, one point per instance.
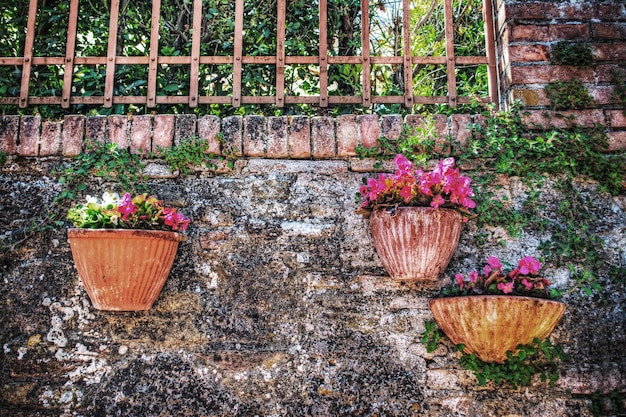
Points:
(492, 325)
(123, 269)
(415, 243)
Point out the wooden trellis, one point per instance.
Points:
(153, 60)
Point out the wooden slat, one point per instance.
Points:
(281, 12)
(154, 52)
(492, 71)
(195, 53)
(112, 46)
(28, 52)
(365, 52)
(449, 28)
(69, 55)
(237, 52)
(407, 67)
(323, 48)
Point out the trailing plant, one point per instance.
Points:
(618, 78)
(564, 95)
(192, 152)
(538, 358)
(577, 54)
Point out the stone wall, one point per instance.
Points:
(277, 305)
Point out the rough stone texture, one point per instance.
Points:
(50, 142)
(232, 128)
(96, 128)
(9, 128)
(323, 137)
(184, 128)
(208, 129)
(73, 131)
(299, 137)
(278, 137)
(369, 131)
(118, 130)
(276, 305)
(254, 136)
(347, 135)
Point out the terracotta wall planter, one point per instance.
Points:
(121, 269)
(416, 243)
(491, 325)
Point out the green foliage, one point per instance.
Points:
(539, 357)
(618, 78)
(565, 95)
(189, 153)
(107, 161)
(577, 54)
(3, 158)
(431, 337)
(605, 404)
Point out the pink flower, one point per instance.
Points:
(506, 287)
(437, 201)
(407, 193)
(494, 262)
(473, 276)
(126, 207)
(175, 219)
(460, 280)
(528, 265)
(528, 285)
(404, 165)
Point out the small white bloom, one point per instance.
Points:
(110, 198)
(92, 199)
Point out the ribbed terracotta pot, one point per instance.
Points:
(123, 269)
(415, 243)
(491, 325)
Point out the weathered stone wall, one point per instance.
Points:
(277, 304)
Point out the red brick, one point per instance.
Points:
(611, 11)
(347, 135)
(544, 74)
(570, 11)
(141, 134)
(531, 97)
(299, 139)
(73, 134)
(617, 141)
(563, 119)
(524, 10)
(529, 33)
(617, 118)
(609, 52)
(369, 131)
(9, 128)
(604, 72)
(528, 53)
(277, 137)
(163, 132)
(118, 131)
(391, 126)
(603, 94)
(254, 136)
(50, 138)
(29, 136)
(96, 128)
(323, 137)
(208, 129)
(608, 30)
(569, 32)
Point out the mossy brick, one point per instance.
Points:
(569, 32)
(9, 128)
(347, 135)
(612, 31)
(299, 139)
(277, 137)
(391, 126)
(531, 97)
(323, 137)
(609, 52)
(118, 131)
(96, 129)
(141, 134)
(209, 129)
(529, 53)
(254, 136)
(369, 130)
(50, 142)
(73, 135)
(184, 128)
(232, 128)
(544, 74)
(163, 132)
(563, 119)
(617, 141)
(28, 142)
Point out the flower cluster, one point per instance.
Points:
(522, 280)
(441, 187)
(139, 212)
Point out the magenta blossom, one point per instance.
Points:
(506, 287)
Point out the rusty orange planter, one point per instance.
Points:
(416, 243)
(123, 269)
(491, 325)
